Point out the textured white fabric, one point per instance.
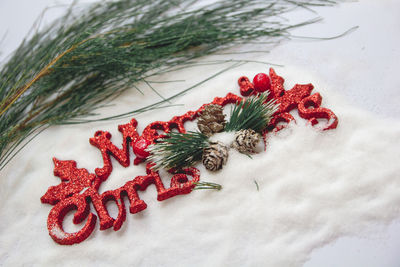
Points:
(314, 186)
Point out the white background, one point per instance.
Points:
(370, 56)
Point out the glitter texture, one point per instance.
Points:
(79, 187)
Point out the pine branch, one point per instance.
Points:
(178, 150)
(68, 70)
(253, 113)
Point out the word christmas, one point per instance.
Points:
(79, 187)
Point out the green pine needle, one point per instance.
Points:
(63, 73)
(207, 185)
(178, 150)
(258, 187)
(253, 113)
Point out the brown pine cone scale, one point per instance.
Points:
(211, 120)
(215, 156)
(246, 141)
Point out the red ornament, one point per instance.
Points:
(261, 82)
(79, 188)
(246, 87)
(140, 146)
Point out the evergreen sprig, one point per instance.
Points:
(178, 150)
(252, 113)
(66, 71)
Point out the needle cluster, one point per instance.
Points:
(178, 150)
(253, 113)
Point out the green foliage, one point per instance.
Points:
(63, 73)
(178, 150)
(252, 113)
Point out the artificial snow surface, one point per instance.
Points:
(313, 186)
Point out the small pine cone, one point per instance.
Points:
(246, 141)
(215, 156)
(211, 120)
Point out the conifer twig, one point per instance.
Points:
(177, 150)
(253, 113)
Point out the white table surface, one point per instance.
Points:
(376, 45)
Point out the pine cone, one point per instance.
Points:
(211, 120)
(246, 141)
(215, 156)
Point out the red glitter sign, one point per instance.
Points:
(79, 188)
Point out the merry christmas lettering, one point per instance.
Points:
(79, 188)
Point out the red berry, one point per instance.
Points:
(261, 82)
(139, 148)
